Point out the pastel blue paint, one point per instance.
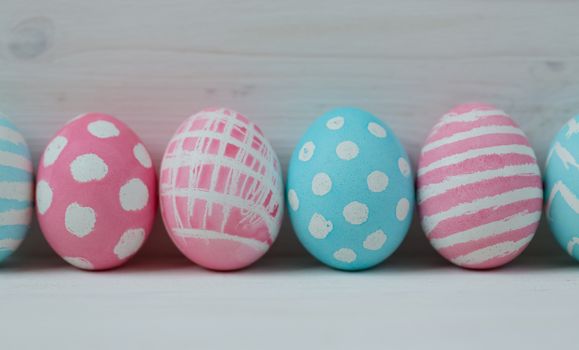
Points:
(562, 187)
(8, 124)
(13, 231)
(9, 173)
(350, 190)
(16, 188)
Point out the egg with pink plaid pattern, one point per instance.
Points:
(221, 190)
(96, 192)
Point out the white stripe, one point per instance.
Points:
(229, 139)
(429, 191)
(573, 128)
(221, 159)
(207, 234)
(9, 244)
(11, 136)
(183, 159)
(495, 251)
(491, 229)
(231, 120)
(475, 132)
(223, 199)
(473, 153)
(15, 161)
(16, 217)
(564, 155)
(20, 191)
(568, 196)
(571, 244)
(259, 189)
(430, 222)
(470, 116)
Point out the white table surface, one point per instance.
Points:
(290, 303)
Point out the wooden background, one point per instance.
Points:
(154, 63)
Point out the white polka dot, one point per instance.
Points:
(81, 263)
(79, 220)
(377, 181)
(134, 195)
(356, 213)
(88, 167)
(404, 167)
(347, 150)
(103, 129)
(129, 243)
(307, 151)
(377, 130)
(54, 149)
(320, 227)
(375, 240)
(335, 123)
(346, 255)
(43, 196)
(321, 184)
(402, 209)
(293, 199)
(140, 152)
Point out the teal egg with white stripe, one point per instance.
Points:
(562, 187)
(16, 188)
(350, 190)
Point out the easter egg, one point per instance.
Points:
(350, 190)
(96, 192)
(16, 188)
(221, 190)
(562, 187)
(479, 187)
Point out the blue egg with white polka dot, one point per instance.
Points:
(350, 190)
(16, 188)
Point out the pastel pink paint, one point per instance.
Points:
(96, 192)
(491, 161)
(468, 144)
(461, 223)
(221, 190)
(471, 192)
(479, 187)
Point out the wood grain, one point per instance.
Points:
(289, 303)
(153, 63)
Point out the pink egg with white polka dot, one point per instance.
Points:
(96, 192)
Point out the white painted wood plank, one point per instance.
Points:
(290, 304)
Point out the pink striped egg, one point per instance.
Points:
(96, 192)
(221, 190)
(479, 187)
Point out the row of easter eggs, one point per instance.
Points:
(350, 190)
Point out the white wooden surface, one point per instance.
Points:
(153, 63)
(290, 304)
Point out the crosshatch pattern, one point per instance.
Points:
(221, 187)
